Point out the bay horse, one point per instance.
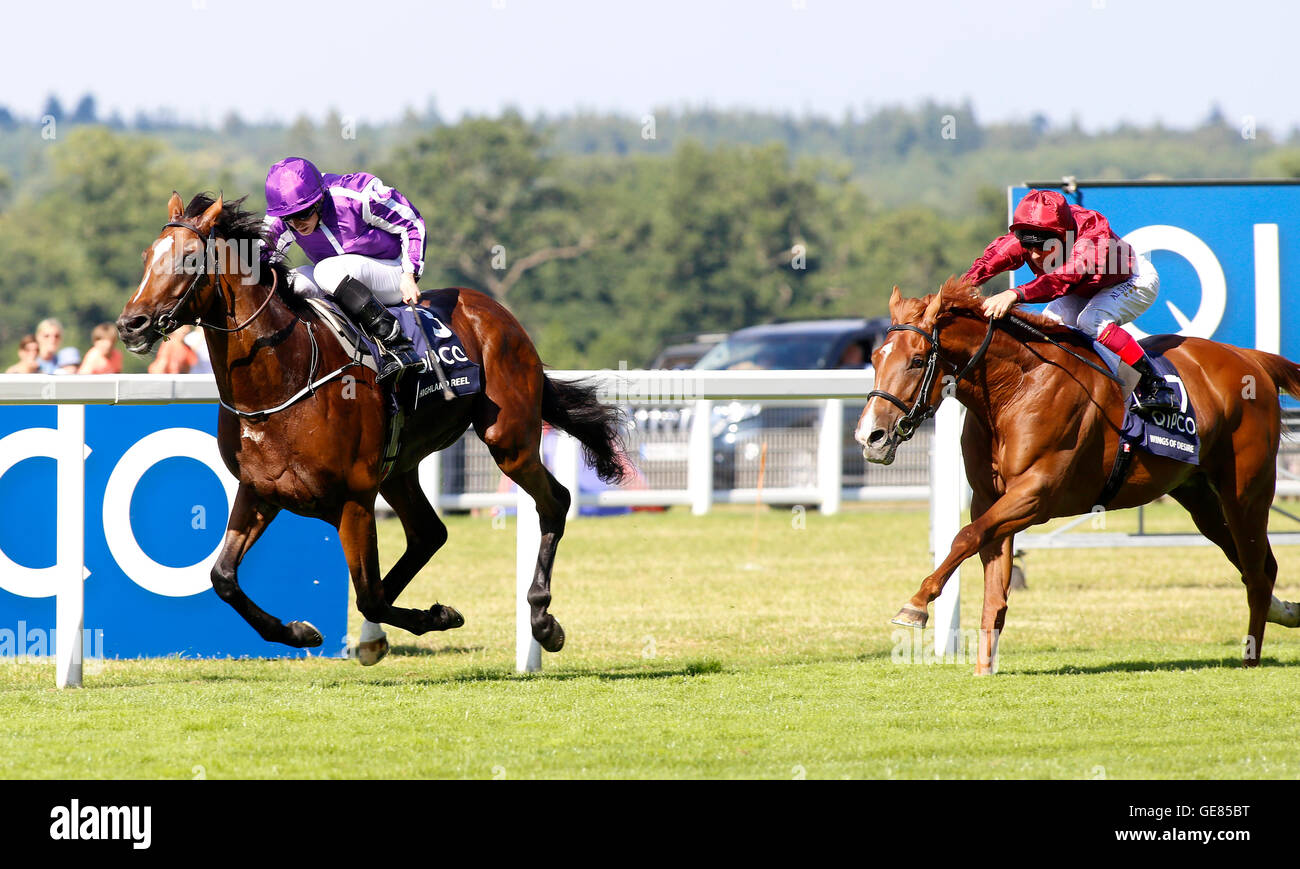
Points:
(1041, 433)
(315, 447)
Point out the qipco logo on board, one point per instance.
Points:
(151, 513)
(173, 511)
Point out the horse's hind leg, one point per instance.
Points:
(516, 450)
(1245, 508)
(249, 517)
(1202, 502)
(552, 501)
(425, 535)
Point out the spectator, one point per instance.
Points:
(174, 356)
(51, 358)
(103, 357)
(199, 344)
(26, 364)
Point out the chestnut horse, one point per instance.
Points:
(300, 439)
(1041, 433)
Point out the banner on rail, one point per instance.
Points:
(1225, 253)
(157, 497)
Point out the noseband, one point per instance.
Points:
(920, 411)
(168, 322)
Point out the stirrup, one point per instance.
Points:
(398, 360)
(1154, 398)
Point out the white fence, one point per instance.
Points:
(935, 474)
(677, 437)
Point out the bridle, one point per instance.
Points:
(168, 322)
(920, 410)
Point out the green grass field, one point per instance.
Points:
(694, 651)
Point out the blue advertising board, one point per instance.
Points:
(157, 499)
(1226, 255)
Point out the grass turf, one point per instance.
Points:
(728, 645)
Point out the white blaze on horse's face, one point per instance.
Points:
(867, 422)
(159, 251)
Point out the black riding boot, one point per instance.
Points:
(1153, 394)
(398, 354)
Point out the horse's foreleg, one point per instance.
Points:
(249, 517)
(1015, 510)
(997, 584)
(356, 524)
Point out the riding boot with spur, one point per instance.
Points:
(1153, 394)
(399, 354)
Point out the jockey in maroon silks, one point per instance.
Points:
(1093, 280)
(365, 242)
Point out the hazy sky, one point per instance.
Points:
(1102, 61)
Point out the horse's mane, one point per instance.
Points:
(962, 298)
(236, 224)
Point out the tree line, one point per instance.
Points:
(605, 235)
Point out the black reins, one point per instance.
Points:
(919, 412)
(1043, 336)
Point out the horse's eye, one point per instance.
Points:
(917, 362)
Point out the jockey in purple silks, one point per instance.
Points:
(366, 244)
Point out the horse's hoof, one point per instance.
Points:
(304, 635)
(445, 618)
(911, 617)
(372, 652)
(554, 639)
(1284, 612)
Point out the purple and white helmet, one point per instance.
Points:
(292, 185)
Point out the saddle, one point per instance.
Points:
(1172, 435)
(449, 374)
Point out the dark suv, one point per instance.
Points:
(740, 428)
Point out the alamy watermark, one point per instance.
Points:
(913, 646)
(658, 387)
(33, 642)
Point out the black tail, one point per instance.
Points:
(573, 406)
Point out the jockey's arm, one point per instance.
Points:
(1004, 254)
(1081, 263)
(277, 232)
(392, 212)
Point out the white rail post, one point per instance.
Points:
(699, 458)
(946, 476)
(830, 455)
(568, 461)
(431, 478)
(70, 545)
(528, 539)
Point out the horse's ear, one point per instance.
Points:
(209, 217)
(895, 305)
(175, 207)
(932, 311)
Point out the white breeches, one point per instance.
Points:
(1120, 304)
(382, 276)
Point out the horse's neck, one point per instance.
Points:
(997, 379)
(249, 364)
